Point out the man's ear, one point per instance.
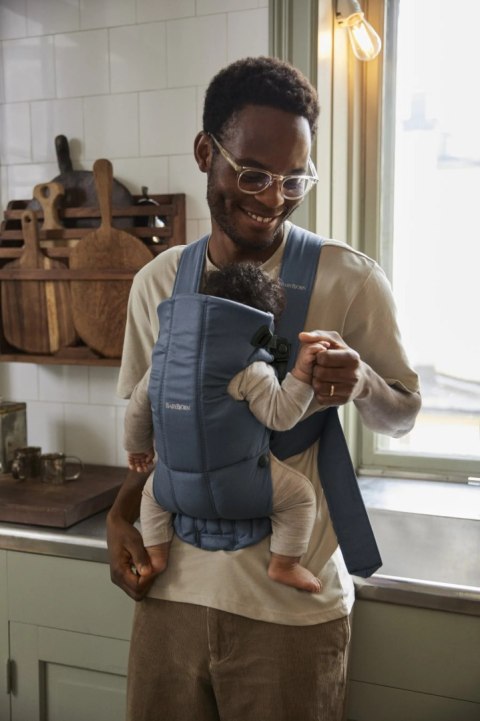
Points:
(202, 149)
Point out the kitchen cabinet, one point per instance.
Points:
(413, 663)
(68, 629)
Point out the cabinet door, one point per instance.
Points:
(4, 697)
(62, 675)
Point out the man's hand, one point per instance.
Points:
(340, 376)
(130, 567)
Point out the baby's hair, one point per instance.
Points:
(246, 283)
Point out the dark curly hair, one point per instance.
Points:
(258, 81)
(246, 283)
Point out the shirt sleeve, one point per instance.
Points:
(277, 406)
(138, 428)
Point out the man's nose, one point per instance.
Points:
(272, 196)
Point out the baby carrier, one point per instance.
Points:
(220, 495)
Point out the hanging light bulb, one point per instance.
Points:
(364, 40)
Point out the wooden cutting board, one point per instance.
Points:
(36, 314)
(42, 504)
(100, 306)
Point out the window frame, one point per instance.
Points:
(352, 201)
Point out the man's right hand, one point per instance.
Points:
(130, 567)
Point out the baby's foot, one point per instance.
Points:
(287, 570)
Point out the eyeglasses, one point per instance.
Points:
(254, 180)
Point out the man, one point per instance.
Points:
(215, 638)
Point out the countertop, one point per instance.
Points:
(431, 557)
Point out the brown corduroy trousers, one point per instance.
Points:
(193, 663)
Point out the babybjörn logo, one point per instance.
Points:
(293, 286)
(177, 406)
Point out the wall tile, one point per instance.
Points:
(254, 24)
(18, 381)
(3, 186)
(13, 19)
(148, 10)
(95, 14)
(135, 172)
(23, 178)
(167, 121)
(102, 384)
(185, 177)
(46, 426)
(52, 118)
(90, 433)
(29, 69)
(15, 144)
(52, 16)
(207, 7)
(63, 383)
(202, 38)
(138, 58)
(111, 126)
(81, 63)
(2, 84)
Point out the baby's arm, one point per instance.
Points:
(277, 406)
(138, 429)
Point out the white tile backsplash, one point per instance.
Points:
(167, 121)
(184, 176)
(52, 16)
(15, 143)
(107, 13)
(46, 426)
(111, 126)
(253, 23)
(207, 7)
(13, 19)
(18, 381)
(131, 70)
(151, 172)
(29, 71)
(197, 49)
(148, 10)
(123, 79)
(68, 384)
(51, 118)
(81, 63)
(91, 433)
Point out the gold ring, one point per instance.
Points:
(332, 390)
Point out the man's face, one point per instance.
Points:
(268, 139)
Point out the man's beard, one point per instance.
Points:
(221, 215)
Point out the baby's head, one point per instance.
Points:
(246, 283)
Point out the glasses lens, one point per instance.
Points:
(253, 181)
(295, 187)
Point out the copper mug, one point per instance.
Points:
(54, 468)
(26, 462)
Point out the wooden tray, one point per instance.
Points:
(42, 504)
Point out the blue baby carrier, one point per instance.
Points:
(219, 492)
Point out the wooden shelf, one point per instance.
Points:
(57, 244)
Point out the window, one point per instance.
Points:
(428, 197)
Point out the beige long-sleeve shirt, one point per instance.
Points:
(352, 296)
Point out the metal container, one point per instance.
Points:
(13, 431)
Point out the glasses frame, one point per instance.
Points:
(274, 177)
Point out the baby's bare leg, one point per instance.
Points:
(287, 570)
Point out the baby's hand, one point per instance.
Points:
(141, 462)
(306, 357)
